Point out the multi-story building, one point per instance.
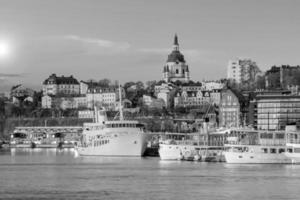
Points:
(283, 76)
(274, 112)
(195, 95)
(229, 109)
(176, 68)
(55, 85)
(165, 91)
(106, 97)
(67, 102)
(242, 71)
(192, 98)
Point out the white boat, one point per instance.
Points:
(256, 154)
(293, 145)
(257, 147)
(192, 147)
(112, 138)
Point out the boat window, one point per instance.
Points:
(296, 150)
(281, 150)
(264, 150)
(140, 125)
(240, 156)
(251, 157)
(273, 150)
(280, 136)
(290, 150)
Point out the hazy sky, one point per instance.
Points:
(130, 40)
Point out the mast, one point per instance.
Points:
(120, 104)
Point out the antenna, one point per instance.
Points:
(120, 104)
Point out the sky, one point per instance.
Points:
(129, 40)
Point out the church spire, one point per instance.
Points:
(175, 44)
(176, 39)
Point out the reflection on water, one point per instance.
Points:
(60, 174)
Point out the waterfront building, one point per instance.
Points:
(176, 68)
(242, 71)
(274, 112)
(62, 85)
(230, 108)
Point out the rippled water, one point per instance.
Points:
(54, 174)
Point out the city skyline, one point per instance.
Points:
(130, 40)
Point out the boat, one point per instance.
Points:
(257, 147)
(293, 144)
(112, 138)
(192, 146)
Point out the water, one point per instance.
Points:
(60, 174)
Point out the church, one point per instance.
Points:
(176, 68)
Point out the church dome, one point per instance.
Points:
(175, 56)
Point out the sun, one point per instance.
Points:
(4, 49)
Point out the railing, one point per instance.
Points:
(293, 141)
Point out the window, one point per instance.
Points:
(177, 71)
(264, 150)
(281, 150)
(273, 150)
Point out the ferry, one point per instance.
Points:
(257, 147)
(112, 138)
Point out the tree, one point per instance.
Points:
(104, 82)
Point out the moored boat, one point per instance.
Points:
(112, 138)
(257, 147)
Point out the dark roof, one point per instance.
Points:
(53, 79)
(175, 56)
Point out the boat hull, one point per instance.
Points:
(190, 152)
(295, 157)
(130, 144)
(256, 158)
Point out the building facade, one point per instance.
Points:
(55, 85)
(229, 109)
(107, 97)
(192, 98)
(242, 71)
(176, 68)
(274, 112)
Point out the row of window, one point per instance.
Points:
(100, 142)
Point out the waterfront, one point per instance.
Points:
(59, 174)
